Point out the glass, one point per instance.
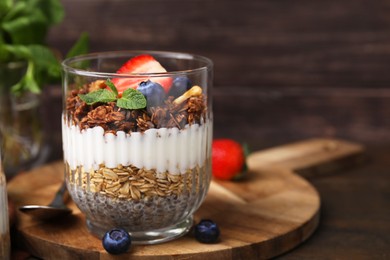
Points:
(5, 244)
(20, 121)
(146, 169)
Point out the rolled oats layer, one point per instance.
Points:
(135, 198)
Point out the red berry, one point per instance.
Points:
(143, 63)
(228, 159)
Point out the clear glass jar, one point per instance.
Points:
(145, 167)
(20, 121)
(5, 244)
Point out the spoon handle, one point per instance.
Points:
(58, 200)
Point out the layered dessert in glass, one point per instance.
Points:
(137, 131)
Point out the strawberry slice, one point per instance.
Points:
(143, 63)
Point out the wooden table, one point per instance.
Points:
(355, 212)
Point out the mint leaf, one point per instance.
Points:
(80, 47)
(112, 86)
(53, 10)
(101, 95)
(132, 99)
(28, 82)
(5, 6)
(46, 63)
(43, 65)
(18, 51)
(17, 9)
(24, 25)
(26, 28)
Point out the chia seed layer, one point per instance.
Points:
(150, 210)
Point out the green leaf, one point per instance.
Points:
(53, 10)
(18, 51)
(101, 95)
(5, 54)
(5, 6)
(80, 47)
(132, 99)
(27, 29)
(46, 65)
(244, 171)
(27, 22)
(46, 62)
(28, 82)
(112, 86)
(246, 149)
(18, 9)
(24, 25)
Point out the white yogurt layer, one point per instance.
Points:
(163, 149)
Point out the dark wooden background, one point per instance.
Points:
(284, 70)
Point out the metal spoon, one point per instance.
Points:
(55, 209)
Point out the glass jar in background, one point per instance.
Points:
(137, 132)
(20, 122)
(5, 244)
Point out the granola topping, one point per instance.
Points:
(111, 118)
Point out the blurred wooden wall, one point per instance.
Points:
(284, 70)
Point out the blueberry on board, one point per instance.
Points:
(116, 241)
(207, 231)
(179, 86)
(153, 92)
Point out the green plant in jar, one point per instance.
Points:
(24, 25)
(27, 65)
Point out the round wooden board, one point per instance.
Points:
(270, 212)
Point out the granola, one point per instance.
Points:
(112, 118)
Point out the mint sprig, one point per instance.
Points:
(98, 96)
(130, 99)
(112, 86)
(24, 26)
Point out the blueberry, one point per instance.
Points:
(116, 241)
(179, 86)
(207, 231)
(153, 93)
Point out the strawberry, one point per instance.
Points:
(228, 159)
(143, 63)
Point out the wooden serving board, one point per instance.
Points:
(266, 214)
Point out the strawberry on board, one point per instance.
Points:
(228, 159)
(143, 63)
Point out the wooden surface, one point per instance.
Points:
(355, 212)
(332, 44)
(269, 213)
